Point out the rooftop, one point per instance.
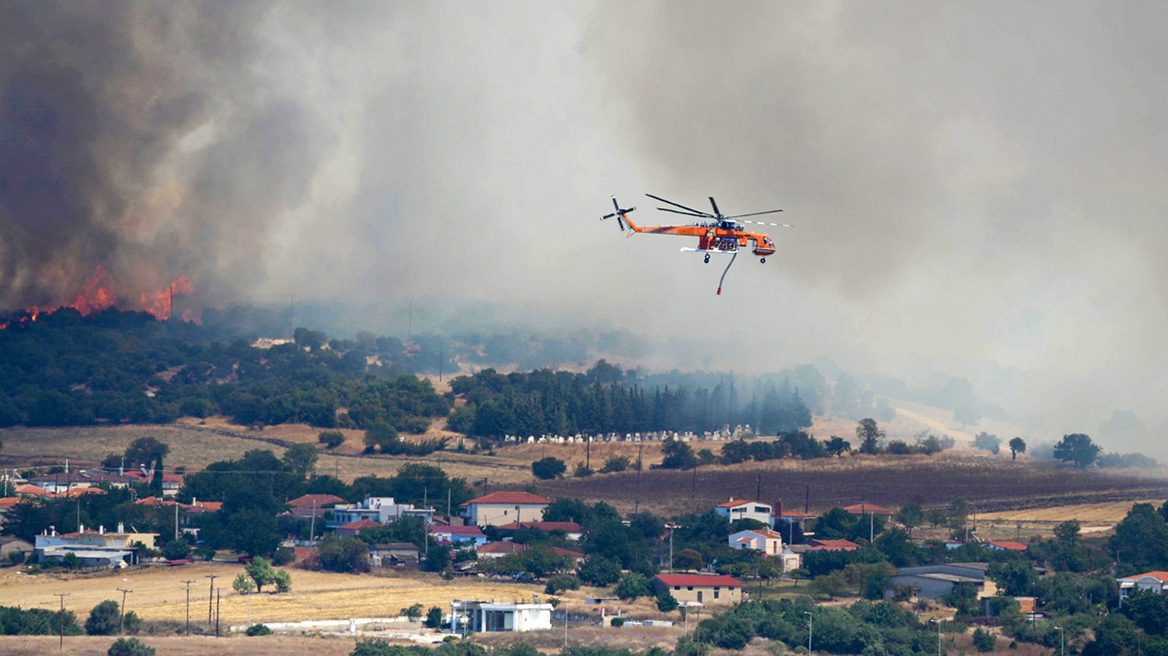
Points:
(696, 580)
(510, 497)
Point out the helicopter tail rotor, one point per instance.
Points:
(620, 214)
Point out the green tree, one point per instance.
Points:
(936, 516)
(413, 612)
(678, 455)
(253, 531)
(434, 618)
(1068, 532)
(633, 585)
(837, 446)
(262, 572)
(300, 458)
(1017, 445)
(869, 434)
(346, 555)
(145, 451)
(958, 513)
(331, 439)
(1141, 539)
(548, 468)
(176, 550)
(910, 516)
(830, 585)
(380, 435)
(599, 571)
(103, 619)
(1077, 448)
(130, 647)
(688, 559)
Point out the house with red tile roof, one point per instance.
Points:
(1156, 582)
(1006, 545)
(736, 509)
(499, 549)
(499, 508)
(831, 545)
(572, 530)
(309, 505)
(352, 529)
(702, 588)
(577, 555)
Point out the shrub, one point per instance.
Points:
(582, 471)
(617, 621)
(131, 623)
(283, 581)
(130, 647)
(103, 619)
(983, 640)
(616, 464)
(666, 603)
(16, 557)
(561, 582)
(434, 617)
(413, 612)
(176, 550)
(331, 439)
(283, 556)
(258, 630)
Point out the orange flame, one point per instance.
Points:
(96, 296)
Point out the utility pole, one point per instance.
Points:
(188, 589)
(810, 626)
(211, 598)
(61, 617)
(448, 490)
(122, 619)
(312, 524)
(217, 596)
(176, 521)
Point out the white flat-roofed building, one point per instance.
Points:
(494, 617)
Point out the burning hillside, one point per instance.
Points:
(102, 292)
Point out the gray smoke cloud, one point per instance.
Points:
(977, 190)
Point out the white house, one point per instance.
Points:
(1151, 581)
(382, 510)
(499, 508)
(770, 543)
(736, 509)
(487, 616)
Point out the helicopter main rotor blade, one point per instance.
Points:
(715, 206)
(706, 214)
(777, 225)
(614, 204)
(737, 216)
(699, 216)
(608, 216)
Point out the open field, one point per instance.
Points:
(184, 646)
(990, 483)
(159, 593)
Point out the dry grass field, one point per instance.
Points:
(183, 646)
(991, 483)
(158, 593)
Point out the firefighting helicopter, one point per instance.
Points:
(716, 232)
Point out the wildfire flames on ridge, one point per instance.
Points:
(98, 295)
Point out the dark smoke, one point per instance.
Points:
(142, 137)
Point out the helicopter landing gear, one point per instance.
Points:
(762, 260)
(707, 260)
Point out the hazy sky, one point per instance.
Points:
(977, 189)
